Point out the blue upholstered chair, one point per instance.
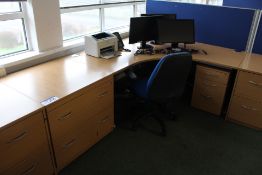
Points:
(166, 82)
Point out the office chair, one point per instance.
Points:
(166, 83)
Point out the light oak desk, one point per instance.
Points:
(83, 114)
(24, 146)
(246, 102)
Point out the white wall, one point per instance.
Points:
(44, 24)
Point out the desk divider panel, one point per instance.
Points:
(257, 48)
(255, 4)
(222, 26)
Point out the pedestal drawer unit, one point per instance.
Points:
(24, 148)
(249, 85)
(246, 102)
(75, 124)
(209, 89)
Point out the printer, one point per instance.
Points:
(103, 45)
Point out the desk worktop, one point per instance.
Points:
(252, 63)
(218, 56)
(14, 105)
(64, 76)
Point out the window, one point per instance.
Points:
(210, 2)
(73, 3)
(12, 29)
(141, 9)
(77, 24)
(84, 17)
(215, 2)
(118, 16)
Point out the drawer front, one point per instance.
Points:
(73, 115)
(74, 124)
(212, 74)
(249, 85)
(19, 141)
(75, 143)
(246, 111)
(105, 122)
(205, 85)
(108, 81)
(208, 98)
(36, 164)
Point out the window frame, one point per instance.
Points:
(21, 15)
(101, 7)
(205, 2)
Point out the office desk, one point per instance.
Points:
(15, 105)
(69, 74)
(83, 114)
(23, 138)
(252, 63)
(246, 101)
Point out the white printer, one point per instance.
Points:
(103, 45)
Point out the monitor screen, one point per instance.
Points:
(168, 16)
(142, 29)
(176, 31)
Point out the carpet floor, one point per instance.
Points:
(197, 143)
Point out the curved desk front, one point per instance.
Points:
(83, 112)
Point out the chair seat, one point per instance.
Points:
(139, 87)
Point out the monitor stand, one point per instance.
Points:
(144, 46)
(144, 49)
(175, 48)
(174, 45)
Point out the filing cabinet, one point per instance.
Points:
(246, 102)
(25, 149)
(80, 122)
(209, 89)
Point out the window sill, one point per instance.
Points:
(30, 58)
(29, 55)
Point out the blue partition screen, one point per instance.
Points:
(222, 26)
(255, 4)
(258, 41)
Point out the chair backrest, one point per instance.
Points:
(169, 77)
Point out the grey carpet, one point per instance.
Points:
(197, 143)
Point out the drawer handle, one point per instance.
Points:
(17, 138)
(69, 144)
(103, 94)
(248, 108)
(206, 96)
(105, 119)
(212, 85)
(64, 117)
(256, 84)
(30, 170)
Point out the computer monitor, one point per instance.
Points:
(167, 16)
(176, 31)
(142, 29)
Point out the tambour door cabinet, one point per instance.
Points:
(246, 102)
(24, 147)
(209, 89)
(81, 120)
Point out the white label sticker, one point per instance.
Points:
(49, 100)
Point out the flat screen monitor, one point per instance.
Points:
(142, 29)
(167, 16)
(176, 31)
